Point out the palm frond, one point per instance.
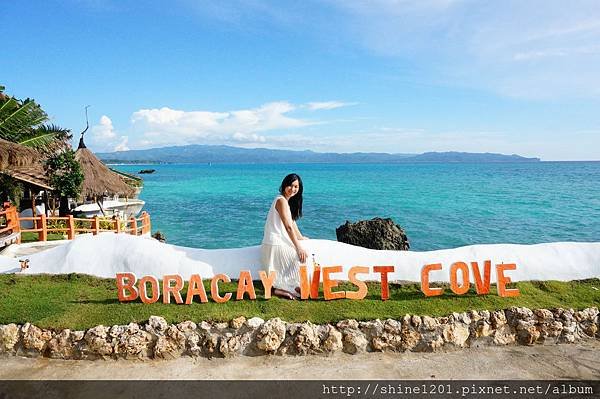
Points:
(17, 120)
(48, 139)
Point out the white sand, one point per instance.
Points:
(108, 253)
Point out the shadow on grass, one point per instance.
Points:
(107, 301)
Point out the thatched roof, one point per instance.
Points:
(98, 179)
(33, 174)
(16, 155)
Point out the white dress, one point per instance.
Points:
(278, 253)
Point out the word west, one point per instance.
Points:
(148, 288)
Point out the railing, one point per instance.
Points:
(9, 221)
(71, 226)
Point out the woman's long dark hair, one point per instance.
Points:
(295, 202)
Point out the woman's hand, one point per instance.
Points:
(304, 238)
(302, 255)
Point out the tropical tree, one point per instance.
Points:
(25, 122)
(65, 175)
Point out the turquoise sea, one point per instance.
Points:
(439, 205)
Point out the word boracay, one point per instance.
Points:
(147, 288)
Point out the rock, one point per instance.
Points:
(429, 323)
(587, 321)
(34, 339)
(65, 345)
(205, 326)
(498, 319)
(376, 233)
(354, 341)
(416, 321)
(351, 323)
(159, 236)
(222, 325)
(134, 343)
(210, 344)
(156, 325)
(456, 334)
(388, 337)
(169, 345)
(569, 333)
(409, 335)
(306, 339)
(333, 340)
(270, 335)
(254, 322)
(516, 314)
(9, 336)
(543, 315)
(481, 324)
(187, 327)
(527, 333)
(238, 322)
(431, 343)
(229, 345)
(97, 342)
(193, 345)
(503, 335)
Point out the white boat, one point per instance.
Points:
(122, 208)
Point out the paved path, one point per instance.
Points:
(576, 361)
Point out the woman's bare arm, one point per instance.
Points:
(283, 208)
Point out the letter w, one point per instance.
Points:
(309, 288)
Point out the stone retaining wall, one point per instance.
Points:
(159, 340)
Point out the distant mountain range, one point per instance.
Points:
(226, 154)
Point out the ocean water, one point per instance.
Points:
(438, 205)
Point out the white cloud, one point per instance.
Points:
(325, 105)
(105, 138)
(515, 48)
(160, 126)
(122, 146)
(104, 130)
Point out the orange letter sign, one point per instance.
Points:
(214, 288)
(482, 286)
(384, 270)
(425, 280)
(126, 290)
(362, 287)
(466, 284)
(153, 287)
(195, 287)
(267, 281)
(329, 284)
(167, 289)
(504, 280)
(309, 288)
(245, 285)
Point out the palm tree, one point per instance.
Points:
(24, 122)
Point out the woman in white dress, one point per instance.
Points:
(281, 250)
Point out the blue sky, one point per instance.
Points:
(386, 76)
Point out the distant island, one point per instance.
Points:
(196, 153)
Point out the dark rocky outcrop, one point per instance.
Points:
(376, 233)
(159, 236)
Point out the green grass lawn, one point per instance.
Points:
(79, 301)
(29, 236)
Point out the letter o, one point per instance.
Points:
(466, 284)
(153, 287)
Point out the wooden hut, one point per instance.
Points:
(24, 165)
(99, 180)
(13, 155)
